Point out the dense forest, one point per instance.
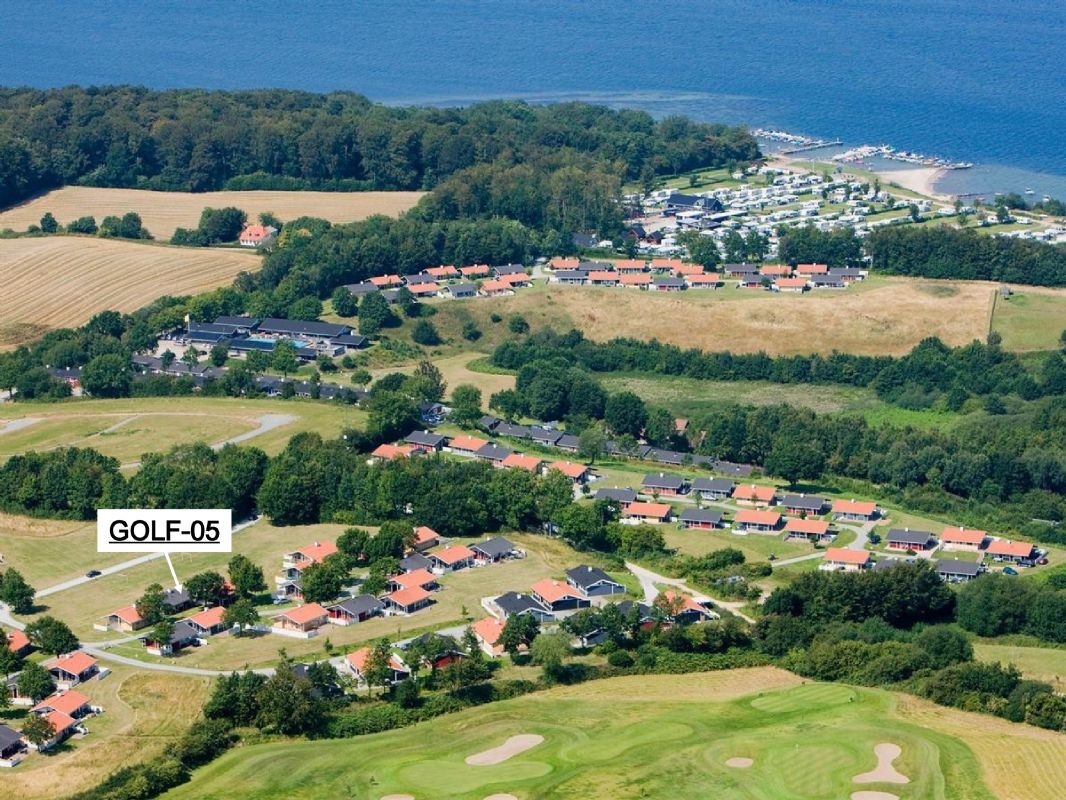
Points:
(195, 140)
(944, 252)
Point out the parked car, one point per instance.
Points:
(93, 573)
(1042, 561)
(1010, 571)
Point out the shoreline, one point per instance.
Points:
(920, 180)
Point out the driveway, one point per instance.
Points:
(648, 579)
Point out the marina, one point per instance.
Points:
(857, 155)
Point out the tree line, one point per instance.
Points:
(196, 140)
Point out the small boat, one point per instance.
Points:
(1029, 191)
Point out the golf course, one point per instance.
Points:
(754, 733)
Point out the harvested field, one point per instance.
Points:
(162, 212)
(61, 281)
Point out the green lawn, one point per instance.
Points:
(1029, 320)
(1038, 663)
(648, 737)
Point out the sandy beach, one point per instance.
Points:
(920, 179)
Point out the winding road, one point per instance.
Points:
(267, 422)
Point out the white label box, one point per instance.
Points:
(164, 530)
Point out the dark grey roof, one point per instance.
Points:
(425, 438)
(665, 456)
(512, 430)
(391, 295)
(663, 480)
(584, 239)
(585, 576)
(741, 269)
(740, 470)
(888, 563)
(808, 502)
(595, 266)
(694, 201)
(544, 436)
(415, 561)
(420, 277)
(183, 632)
(568, 441)
(351, 340)
(517, 602)
(494, 547)
(850, 272)
(627, 605)
(509, 269)
(571, 274)
(493, 452)
(266, 345)
(8, 737)
(463, 288)
(701, 515)
(239, 322)
(828, 279)
(489, 422)
(360, 289)
(363, 604)
(721, 485)
(909, 537)
(954, 566)
(621, 495)
(673, 283)
(175, 597)
(212, 327)
(304, 327)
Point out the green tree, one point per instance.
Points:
(701, 249)
(374, 314)
(49, 635)
(344, 302)
(625, 413)
(287, 705)
(549, 651)
(15, 592)
(241, 615)
(471, 332)
(425, 333)
(191, 356)
(246, 576)
(793, 459)
(638, 541)
(150, 606)
(284, 358)
(219, 355)
(517, 324)
(48, 223)
(107, 376)
(206, 588)
(377, 671)
(392, 416)
(508, 403)
(35, 682)
(222, 224)
(466, 405)
(37, 730)
(162, 632)
(10, 661)
(322, 582)
(592, 443)
(518, 633)
(83, 225)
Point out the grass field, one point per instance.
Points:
(143, 712)
(1031, 319)
(1039, 663)
(881, 316)
(61, 281)
(138, 425)
(162, 212)
(639, 737)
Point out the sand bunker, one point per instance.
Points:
(873, 796)
(510, 748)
(739, 763)
(885, 773)
(398, 797)
(501, 797)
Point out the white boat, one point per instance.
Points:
(1029, 191)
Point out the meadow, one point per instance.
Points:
(162, 212)
(61, 281)
(644, 737)
(143, 713)
(1031, 319)
(1038, 663)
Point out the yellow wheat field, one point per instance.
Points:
(162, 212)
(61, 281)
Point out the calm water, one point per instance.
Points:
(980, 80)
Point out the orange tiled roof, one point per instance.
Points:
(408, 596)
(569, 468)
(854, 507)
(454, 554)
(64, 703)
(303, 614)
(551, 590)
(844, 556)
(642, 509)
(1005, 547)
(807, 526)
(963, 536)
(750, 517)
(75, 663)
(489, 629)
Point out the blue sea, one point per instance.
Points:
(980, 80)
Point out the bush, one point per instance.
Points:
(425, 333)
(517, 324)
(620, 658)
